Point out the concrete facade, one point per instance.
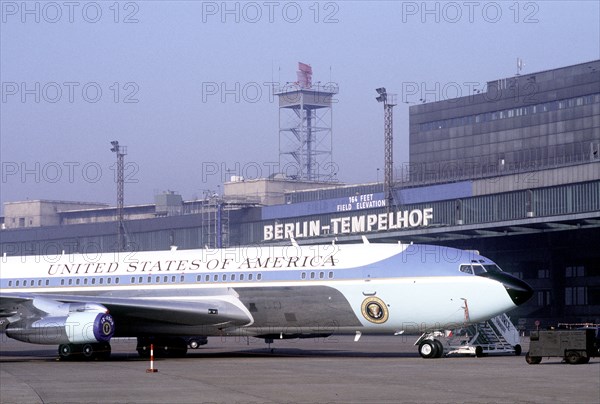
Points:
(530, 121)
(39, 213)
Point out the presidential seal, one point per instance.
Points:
(374, 310)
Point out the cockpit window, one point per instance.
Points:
(479, 269)
(492, 268)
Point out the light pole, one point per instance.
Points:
(389, 102)
(121, 151)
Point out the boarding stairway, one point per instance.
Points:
(495, 336)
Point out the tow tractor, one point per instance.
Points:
(575, 343)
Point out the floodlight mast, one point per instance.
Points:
(389, 102)
(121, 151)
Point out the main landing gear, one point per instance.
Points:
(163, 347)
(88, 352)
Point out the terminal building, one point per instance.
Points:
(512, 171)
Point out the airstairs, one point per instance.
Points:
(498, 335)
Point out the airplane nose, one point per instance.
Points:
(518, 290)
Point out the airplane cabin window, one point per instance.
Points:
(207, 278)
(182, 278)
(40, 282)
(232, 277)
(216, 278)
(117, 279)
(330, 275)
(17, 283)
(47, 282)
(157, 280)
(199, 278)
(321, 275)
(466, 269)
(241, 277)
(173, 279)
(249, 277)
(312, 275)
(140, 280)
(258, 277)
(133, 279)
(303, 275)
(224, 277)
(70, 282)
(9, 283)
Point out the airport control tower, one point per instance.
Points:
(305, 127)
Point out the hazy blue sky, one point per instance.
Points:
(154, 63)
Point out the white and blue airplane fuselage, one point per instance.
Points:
(80, 301)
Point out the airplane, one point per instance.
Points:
(172, 299)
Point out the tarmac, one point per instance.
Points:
(377, 369)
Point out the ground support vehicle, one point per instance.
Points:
(574, 346)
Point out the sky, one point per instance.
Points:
(184, 85)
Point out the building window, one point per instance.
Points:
(543, 273)
(544, 298)
(576, 296)
(574, 272)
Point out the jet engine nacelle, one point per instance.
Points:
(74, 328)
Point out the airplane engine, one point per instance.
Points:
(74, 328)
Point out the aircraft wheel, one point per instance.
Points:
(428, 349)
(143, 347)
(88, 351)
(478, 351)
(66, 351)
(518, 350)
(533, 360)
(440, 348)
(194, 343)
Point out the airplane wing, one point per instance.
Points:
(210, 311)
(219, 311)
